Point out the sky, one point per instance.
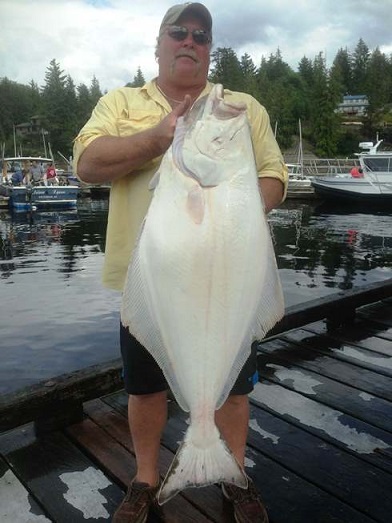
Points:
(110, 39)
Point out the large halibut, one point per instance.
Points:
(203, 282)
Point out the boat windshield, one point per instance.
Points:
(377, 164)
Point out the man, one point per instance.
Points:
(123, 142)
(36, 173)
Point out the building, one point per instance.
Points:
(354, 105)
(34, 126)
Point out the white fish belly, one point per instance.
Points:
(204, 283)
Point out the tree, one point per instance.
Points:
(138, 79)
(84, 104)
(324, 120)
(277, 85)
(378, 89)
(249, 75)
(359, 60)
(55, 96)
(18, 104)
(342, 73)
(226, 69)
(95, 91)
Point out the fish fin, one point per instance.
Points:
(269, 310)
(137, 316)
(194, 466)
(271, 306)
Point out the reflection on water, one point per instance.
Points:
(322, 250)
(56, 317)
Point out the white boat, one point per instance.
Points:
(30, 196)
(375, 185)
(300, 184)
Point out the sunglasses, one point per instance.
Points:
(179, 33)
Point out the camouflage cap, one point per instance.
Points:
(176, 11)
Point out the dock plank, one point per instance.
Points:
(340, 473)
(356, 334)
(327, 365)
(120, 464)
(339, 396)
(63, 480)
(367, 359)
(16, 503)
(379, 312)
(343, 431)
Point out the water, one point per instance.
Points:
(56, 317)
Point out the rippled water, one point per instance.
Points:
(56, 317)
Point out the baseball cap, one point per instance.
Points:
(176, 11)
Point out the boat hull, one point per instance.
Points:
(349, 189)
(40, 196)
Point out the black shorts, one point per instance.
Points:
(142, 375)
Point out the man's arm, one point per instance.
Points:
(272, 190)
(110, 157)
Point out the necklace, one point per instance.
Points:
(168, 97)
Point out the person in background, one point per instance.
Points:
(123, 143)
(36, 173)
(17, 177)
(50, 177)
(356, 172)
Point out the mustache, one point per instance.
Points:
(190, 54)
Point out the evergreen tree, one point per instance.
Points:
(325, 121)
(138, 79)
(249, 75)
(359, 60)
(277, 85)
(342, 73)
(55, 107)
(226, 69)
(71, 124)
(85, 104)
(378, 90)
(17, 105)
(95, 91)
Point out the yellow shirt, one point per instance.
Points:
(126, 111)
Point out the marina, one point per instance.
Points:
(320, 433)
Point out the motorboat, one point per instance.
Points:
(28, 195)
(374, 183)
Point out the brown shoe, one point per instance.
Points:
(136, 504)
(247, 504)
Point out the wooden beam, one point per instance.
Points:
(338, 307)
(50, 398)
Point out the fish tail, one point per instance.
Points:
(197, 466)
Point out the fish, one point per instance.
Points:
(203, 283)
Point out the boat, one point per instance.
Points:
(374, 184)
(26, 196)
(300, 184)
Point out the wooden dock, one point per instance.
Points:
(319, 446)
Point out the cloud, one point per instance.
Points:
(110, 39)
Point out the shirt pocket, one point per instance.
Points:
(139, 120)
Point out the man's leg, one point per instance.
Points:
(232, 420)
(147, 414)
